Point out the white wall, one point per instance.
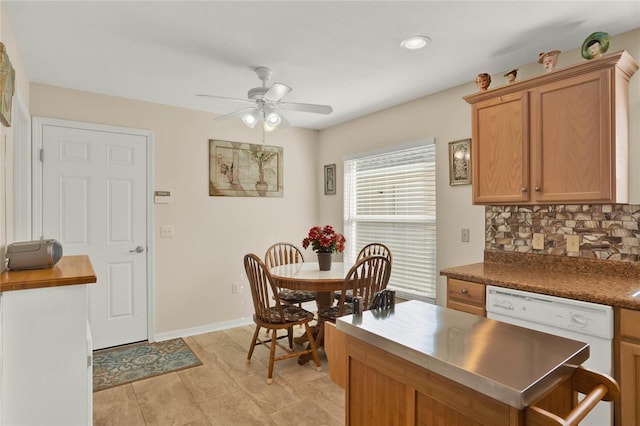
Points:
(194, 271)
(447, 117)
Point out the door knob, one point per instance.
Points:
(138, 249)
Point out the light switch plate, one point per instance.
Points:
(167, 231)
(573, 243)
(538, 241)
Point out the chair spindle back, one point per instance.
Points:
(375, 249)
(263, 291)
(282, 254)
(367, 277)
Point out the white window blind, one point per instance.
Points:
(390, 198)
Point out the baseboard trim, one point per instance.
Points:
(186, 332)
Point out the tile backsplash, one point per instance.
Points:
(608, 232)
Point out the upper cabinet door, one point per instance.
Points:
(500, 150)
(573, 146)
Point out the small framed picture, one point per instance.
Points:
(460, 162)
(330, 179)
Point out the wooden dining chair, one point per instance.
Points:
(368, 276)
(368, 250)
(284, 254)
(272, 315)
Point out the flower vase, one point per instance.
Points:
(324, 260)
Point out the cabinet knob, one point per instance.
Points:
(523, 189)
(464, 291)
(537, 188)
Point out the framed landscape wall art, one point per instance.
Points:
(330, 179)
(460, 162)
(238, 169)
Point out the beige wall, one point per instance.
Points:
(447, 117)
(7, 142)
(194, 271)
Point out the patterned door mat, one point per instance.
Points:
(126, 364)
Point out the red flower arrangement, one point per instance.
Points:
(324, 239)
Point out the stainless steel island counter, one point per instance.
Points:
(431, 359)
(511, 364)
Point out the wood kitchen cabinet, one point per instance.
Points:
(466, 296)
(629, 365)
(557, 138)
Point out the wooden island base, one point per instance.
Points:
(384, 389)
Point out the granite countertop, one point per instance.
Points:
(605, 282)
(469, 349)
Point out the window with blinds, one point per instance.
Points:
(390, 198)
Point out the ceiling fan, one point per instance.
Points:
(265, 102)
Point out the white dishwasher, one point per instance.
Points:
(573, 319)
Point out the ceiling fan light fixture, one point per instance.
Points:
(264, 102)
(415, 42)
(267, 127)
(250, 119)
(273, 119)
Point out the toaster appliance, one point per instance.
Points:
(38, 254)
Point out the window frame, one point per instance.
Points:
(426, 220)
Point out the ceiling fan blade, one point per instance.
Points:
(236, 113)
(276, 92)
(245, 101)
(284, 123)
(294, 106)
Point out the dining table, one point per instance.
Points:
(307, 276)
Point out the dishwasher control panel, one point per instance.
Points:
(584, 317)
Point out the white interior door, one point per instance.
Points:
(94, 201)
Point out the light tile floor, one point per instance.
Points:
(226, 391)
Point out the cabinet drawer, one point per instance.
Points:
(465, 292)
(629, 323)
(464, 307)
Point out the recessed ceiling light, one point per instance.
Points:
(415, 42)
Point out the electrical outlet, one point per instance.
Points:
(464, 235)
(538, 241)
(573, 243)
(235, 287)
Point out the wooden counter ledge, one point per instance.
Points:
(69, 270)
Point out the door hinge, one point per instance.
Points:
(41, 155)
